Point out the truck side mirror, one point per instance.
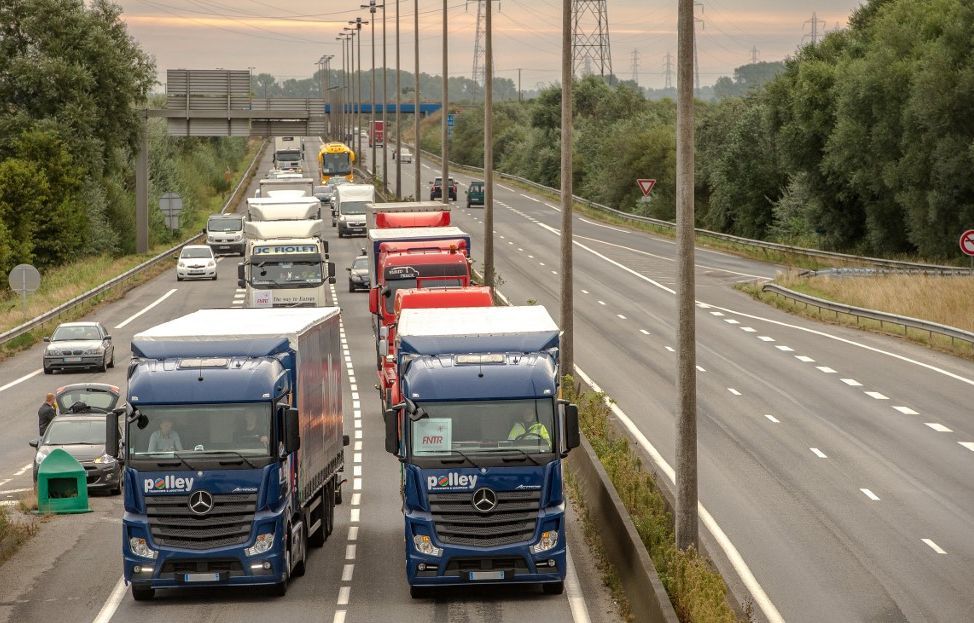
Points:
(324, 244)
(331, 271)
(292, 431)
(374, 301)
(572, 435)
(111, 432)
(241, 276)
(392, 431)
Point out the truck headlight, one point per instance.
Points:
(424, 545)
(263, 543)
(549, 539)
(105, 459)
(140, 548)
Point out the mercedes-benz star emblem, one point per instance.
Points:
(484, 500)
(201, 502)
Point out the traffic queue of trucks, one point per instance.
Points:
(234, 428)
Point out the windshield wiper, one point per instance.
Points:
(513, 449)
(469, 460)
(242, 457)
(181, 459)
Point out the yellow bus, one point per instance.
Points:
(335, 159)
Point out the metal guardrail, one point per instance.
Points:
(49, 315)
(762, 244)
(882, 318)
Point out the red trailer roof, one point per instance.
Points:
(426, 298)
(390, 220)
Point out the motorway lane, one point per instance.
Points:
(821, 548)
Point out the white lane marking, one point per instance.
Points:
(541, 263)
(869, 494)
(502, 237)
(347, 571)
(804, 359)
(785, 349)
(749, 330)
(357, 470)
(237, 297)
(601, 302)
(23, 469)
(356, 499)
(603, 226)
(554, 272)
(585, 292)
(530, 257)
(350, 552)
(354, 515)
(851, 382)
(825, 369)
(5, 481)
(111, 604)
(555, 208)
(700, 369)
(645, 332)
(239, 290)
(357, 457)
(967, 444)
(146, 308)
(670, 348)
(520, 250)
(620, 317)
(934, 546)
(353, 533)
(818, 453)
(765, 338)
(358, 434)
(877, 395)
(940, 428)
(906, 410)
(733, 555)
(772, 418)
(343, 595)
(12, 491)
(576, 601)
(716, 313)
(358, 446)
(22, 379)
(505, 188)
(733, 391)
(340, 614)
(357, 484)
(731, 321)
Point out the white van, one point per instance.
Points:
(351, 205)
(224, 234)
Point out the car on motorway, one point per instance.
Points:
(358, 274)
(79, 345)
(82, 435)
(436, 190)
(224, 234)
(475, 194)
(196, 261)
(404, 156)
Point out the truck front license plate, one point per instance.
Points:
(479, 576)
(202, 577)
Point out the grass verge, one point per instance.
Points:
(697, 591)
(941, 299)
(15, 530)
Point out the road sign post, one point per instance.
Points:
(646, 186)
(24, 279)
(967, 245)
(171, 206)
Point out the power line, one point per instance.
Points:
(812, 35)
(590, 37)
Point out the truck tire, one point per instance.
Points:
(142, 593)
(553, 588)
(280, 589)
(301, 565)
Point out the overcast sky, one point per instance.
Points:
(286, 37)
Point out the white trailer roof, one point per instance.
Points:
(284, 211)
(276, 199)
(286, 180)
(263, 230)
(471, 321)
(233, 324)
(407, 233)
(355, 192)
(288, 193)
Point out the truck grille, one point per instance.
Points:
(174, 525)
(513, 520)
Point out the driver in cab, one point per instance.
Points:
(529, 428)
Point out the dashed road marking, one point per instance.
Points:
(733, 391)
(906, 410)
(347, 571)
(645, 332)
(343, 595)
(851, 382)
(716, 313)
(620, 317)
(940, 428)
(354, 515)
(869, 494)
(145, 309)
(749, 330)
(700, 369)
(877, 396)
(601, 302)
(825, 369)
(350, 551)
(585, 291)
(765, 338)
(670, 348)
(772, 418)
(731, 321)
(967, 444)
(934, 546)
(804, 359)
(784, 349)
(818, 453)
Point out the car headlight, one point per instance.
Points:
(424, 545)
(41, 455)
(105, 459)
(263, 543)
(210, 264)
(95, 351)
(141, 548)
(181, 265)
(549, 539)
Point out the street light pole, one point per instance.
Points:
(488, 150)
(356, 94)
(398, 105)
(567, 301)
(371, 6)
(416, 116)
(341, 94)
(686, 383)
(385, 101)
(444, 133)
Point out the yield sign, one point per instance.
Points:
(646, 186)
(967, 242)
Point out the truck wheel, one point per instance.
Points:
(553, 588)
(280, 589)
(301, 566)
(351, 286)
(142, 593)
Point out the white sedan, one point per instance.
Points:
(196, 261)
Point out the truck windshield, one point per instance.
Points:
(335, 164)
(283, 273)
(353, 207)
(244, 428)
(288, 156)
(409, 284)
(224, 224)
(483, 426)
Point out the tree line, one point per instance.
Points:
(863, 142)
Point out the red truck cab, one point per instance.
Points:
(421, 298)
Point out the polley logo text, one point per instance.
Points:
(168, 484)
(452, 480)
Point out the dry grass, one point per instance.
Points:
(945, 300)
(15, 530)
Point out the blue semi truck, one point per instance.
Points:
(233, 449)
(481, 434)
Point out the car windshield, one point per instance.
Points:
(75, 432)
(76, 333)
(198, 429)
(285, 273)
(94, 399)
(224, 224)
(353, 207)
(360, 263)
(482, 426)
(196, 253)
(476, 187)
(408, 284)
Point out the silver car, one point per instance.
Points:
(79, 345)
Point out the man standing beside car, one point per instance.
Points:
(46, 413)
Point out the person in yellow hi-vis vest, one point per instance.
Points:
(533, 430)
